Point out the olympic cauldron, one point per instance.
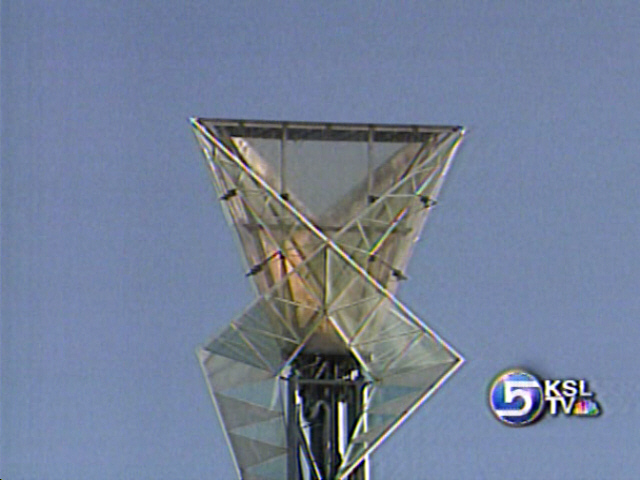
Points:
(326, 363)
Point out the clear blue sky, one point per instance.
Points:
(116, 261)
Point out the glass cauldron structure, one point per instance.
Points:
(326, 363)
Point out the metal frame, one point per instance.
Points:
(326, 291)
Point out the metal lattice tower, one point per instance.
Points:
(326, 363)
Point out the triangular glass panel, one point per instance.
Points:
(223, 373)
(385, 322)
(297, 308)
(270, 470)
(265, 393)
(262, 155)
(236, 413)
(293, 237)
(397, 166)
(232, 345)
(272, 329)
(423, 353)
(250, 452)
(430, 172)
(352, 309)
(304, 285)
(340, 275)
(325, 339)
(353, 238)
(384, 392)
(383, 338)
(396, 204)
(350, 288)
(301, 243)
(313, 273)
(271, 432)
(264, 319)
(274, 350)
(227, 171)
(379, 354)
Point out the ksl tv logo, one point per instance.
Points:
(517, 398)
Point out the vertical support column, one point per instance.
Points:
(283, 162)
(355, 408)
(369, 198)
(293, 436)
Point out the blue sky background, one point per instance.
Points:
(116, 261)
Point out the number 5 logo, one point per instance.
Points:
(516, 398)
